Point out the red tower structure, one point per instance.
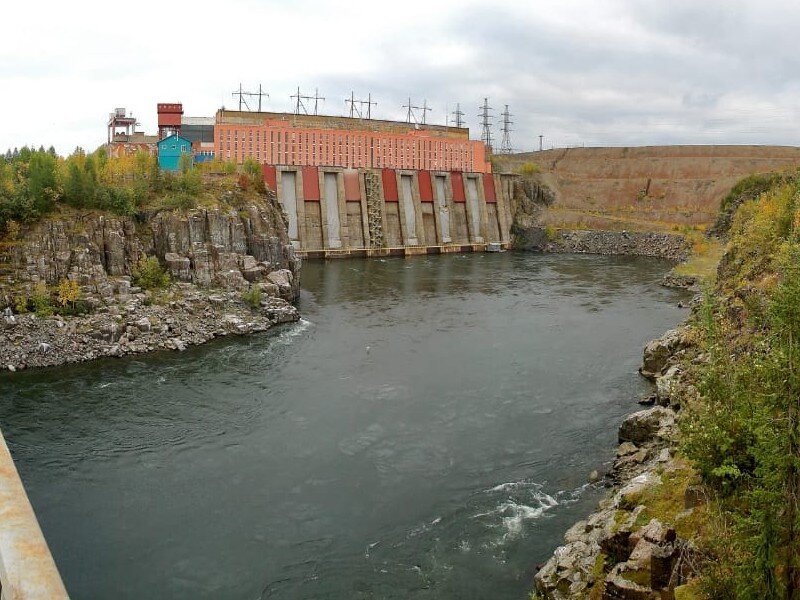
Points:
(169, 119)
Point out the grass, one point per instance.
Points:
(703, 262)
(621, 218)
(665, 502)
(599, 573)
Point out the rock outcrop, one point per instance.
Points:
(619, 552)
(211, 248)
(212, 256)
(573, 568)
(657, 353)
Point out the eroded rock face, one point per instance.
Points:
(223, 248)
(210, 248)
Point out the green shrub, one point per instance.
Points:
(252, 296)
(179, 201)
(529, 168)
(150, 275)
(40, 298)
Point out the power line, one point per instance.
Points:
(241, 94)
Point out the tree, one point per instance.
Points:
(42, 187)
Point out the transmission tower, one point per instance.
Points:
(357, 106)
(459, 115)
(241, 94)
(505, 143)
(301, 105)
(486, 125)
(411, 115)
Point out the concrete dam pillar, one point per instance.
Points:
(331, 199)
(288, 198)
(409, 222)
(474, 210)
(443, 209)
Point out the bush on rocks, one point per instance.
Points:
(150, 275)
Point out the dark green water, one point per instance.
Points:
(425, 432)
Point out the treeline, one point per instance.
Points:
(742, 431)
(34, 183)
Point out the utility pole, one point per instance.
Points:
(409, 106)
(425, 110)
(359, 110)
(411, 114)
(241, 94)
(505, 142)
(300, 105)
(486, 126)
(317, 98)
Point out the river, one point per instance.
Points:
(426, 431)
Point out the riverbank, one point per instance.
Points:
(138, 322)
(636, 544)
(718, 519)
(611, 243)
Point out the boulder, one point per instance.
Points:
(284, 279)
(667, 387)
(178, 266)
(647, 425)
(658, 352)
(694, 496)
(144, 325)
(662, 562)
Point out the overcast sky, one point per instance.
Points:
(580, 72)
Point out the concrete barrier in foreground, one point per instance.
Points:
(27, 569)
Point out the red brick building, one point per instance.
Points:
(311, 140)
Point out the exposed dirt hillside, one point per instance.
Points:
(650, 187)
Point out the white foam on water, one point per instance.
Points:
(523, 501)
(298, 328)
(424, 527)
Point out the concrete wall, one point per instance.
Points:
(327, 211)
(27, 569)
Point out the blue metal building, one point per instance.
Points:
(170, 150)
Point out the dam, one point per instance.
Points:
(336, 212)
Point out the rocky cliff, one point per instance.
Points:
(217, 247)
(212, 255)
